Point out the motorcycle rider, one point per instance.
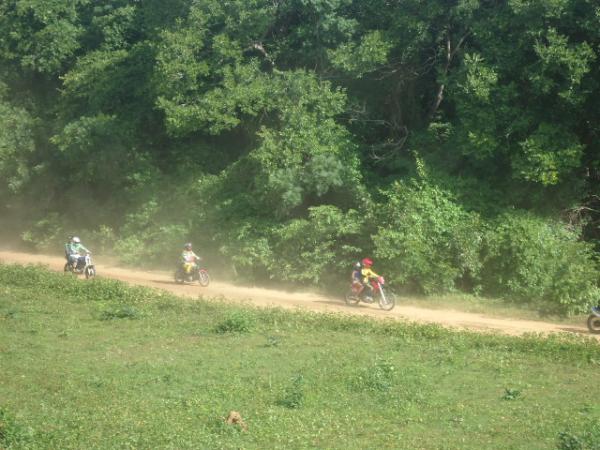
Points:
(367, 275)
(75, 252)
(189, 259)
(356, 274)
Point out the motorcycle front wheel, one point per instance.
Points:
(593, 324)
(389, 302)
(90, 272)
(352, 298)
(203, 278)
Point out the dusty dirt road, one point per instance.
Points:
(308, 301)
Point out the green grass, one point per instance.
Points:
(102, 365)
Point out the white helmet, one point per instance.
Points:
(76, 239)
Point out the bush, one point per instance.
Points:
(237, 322)
(533, 260)
(308, 250)
(46, 234)
(149, 237)
(314, 250)
(427, 240)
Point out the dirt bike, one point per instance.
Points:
(357, 294)
(198, 273)
(87, 268)
(593, 321)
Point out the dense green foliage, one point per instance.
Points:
(458, 142)
(102, 365)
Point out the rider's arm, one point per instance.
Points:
(79, 248)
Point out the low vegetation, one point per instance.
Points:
(102, 365)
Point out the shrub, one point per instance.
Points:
(146, 239)
(306, 250)
(427, 240)
(46, 234)
(236, 322)
(533, 260)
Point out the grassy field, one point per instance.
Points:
(103, 365)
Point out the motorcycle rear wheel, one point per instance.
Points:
(179, 277)
(593, 324)
(203, 278)
(352, 298)
(389, 302)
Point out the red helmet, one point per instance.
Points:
(367, 262)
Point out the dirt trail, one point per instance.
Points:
(301, 300)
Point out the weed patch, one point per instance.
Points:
(273, 341)
(293, 395)
(586, 439)
(379, 377)
(236, 322)
(12, 433)
(511, 394)
(120, 312)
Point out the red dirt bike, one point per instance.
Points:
(198, 273)
(386, 299)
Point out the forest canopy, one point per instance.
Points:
(455, 142)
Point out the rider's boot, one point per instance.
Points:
(596, 311)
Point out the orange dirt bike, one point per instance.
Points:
(83, 266)
(198, 273)
(385, 298)
(593, 321)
